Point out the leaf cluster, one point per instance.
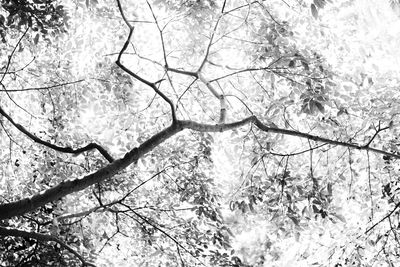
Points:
(41, 16)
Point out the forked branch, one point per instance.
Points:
(221, 97)
(134, 75)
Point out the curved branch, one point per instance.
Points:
(20, 207)
(42, 237)
(55, 147)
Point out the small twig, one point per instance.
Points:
(370, 186)
(20, 69)
(40, 88)
(6, 71)
(221, 97)
(12, 54)
(144, 219)
(381, 220)
(376, 133)
(295, 153)
(269, 67)
(209, 44)
(161, 34)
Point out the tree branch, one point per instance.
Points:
(221, 97)
(42, 237)
(20, 207)
(40, 88)
(134, 75)
(263, 127)
(55, 147)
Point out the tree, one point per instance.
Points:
(163, 133)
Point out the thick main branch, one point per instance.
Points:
(20, 207)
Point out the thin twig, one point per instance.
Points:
(40, 88)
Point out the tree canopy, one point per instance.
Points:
(199, 133)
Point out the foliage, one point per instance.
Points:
(199, 133)
(46, 17)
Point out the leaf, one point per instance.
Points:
(305, 108)
(305, 65)
(313, 106)
(315, 209)
(340, 217)
(300, 189)
(314, 11)
(320, 107)
(251, 207)
(36, 39)
(320, 3)
(317, 201)
(329, 187)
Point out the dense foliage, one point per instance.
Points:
(199, 133)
